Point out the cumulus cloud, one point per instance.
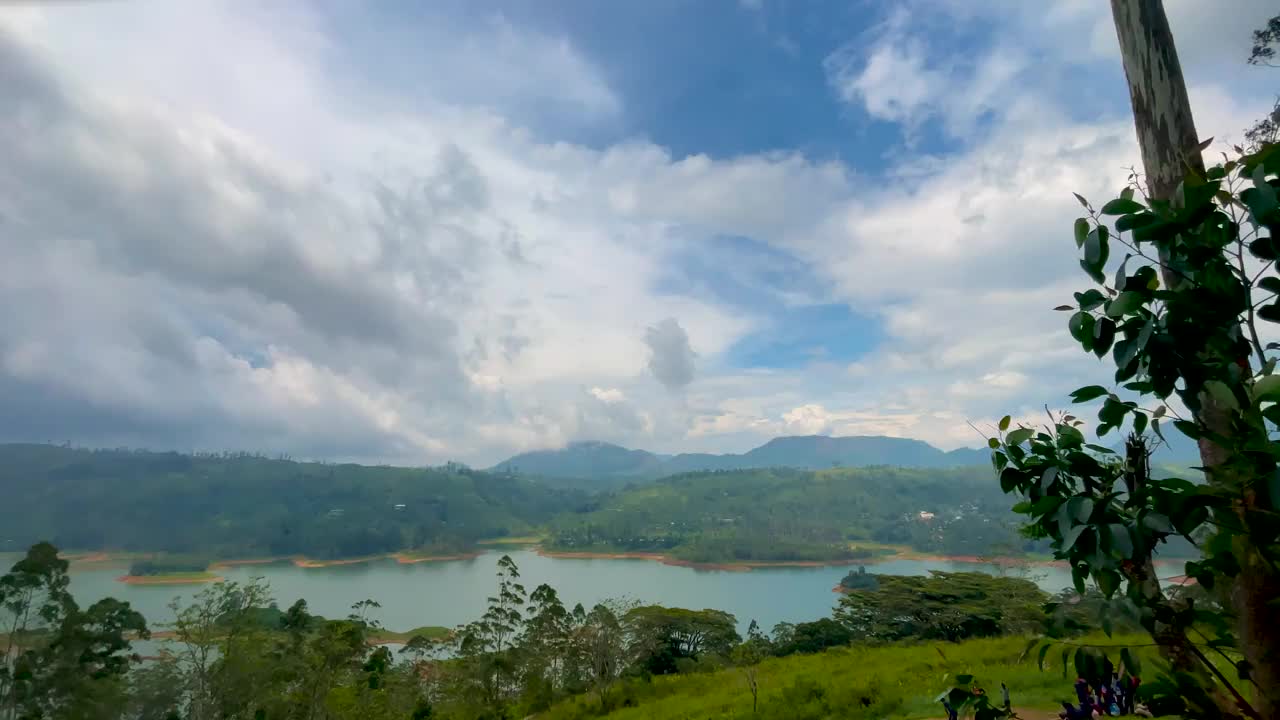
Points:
(670, 356)
(252, 260)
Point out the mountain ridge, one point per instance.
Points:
(595, 459)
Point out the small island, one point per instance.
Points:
(172, 570)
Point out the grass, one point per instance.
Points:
(430, 632)
(899, 681)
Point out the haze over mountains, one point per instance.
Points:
(604, 460)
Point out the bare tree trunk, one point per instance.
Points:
(1169, 143)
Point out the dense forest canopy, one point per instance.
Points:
(246, 505)
(784, 514)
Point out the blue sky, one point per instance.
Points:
(413, 232)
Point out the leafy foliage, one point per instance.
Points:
(241, 505)
(1181, 320)
(786, 515)
(943, 606)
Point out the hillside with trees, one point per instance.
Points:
(240, 505)
(780, 514)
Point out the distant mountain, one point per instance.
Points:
(612, 464)
(585, 460)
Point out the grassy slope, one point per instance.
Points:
(899, 682)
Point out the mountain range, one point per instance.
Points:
(605, 461)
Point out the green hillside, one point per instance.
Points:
(241, 505)
(794, 515)
(897, 681)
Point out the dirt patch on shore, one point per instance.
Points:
(411, 559)
(188, 579)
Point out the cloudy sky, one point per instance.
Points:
(415, 232)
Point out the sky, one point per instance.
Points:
(411, 232)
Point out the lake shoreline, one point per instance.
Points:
(174, 579)
(404, 557)
(738, 566)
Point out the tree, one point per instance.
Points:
(666, 635)
(605, 641)
(1183, 343)
(747, 658)
(545, 646)
(1200, 255)
(1265, 40)
(485, 647)
(216, 633)
(61, 661)
(943, 606)
(813, 637)
(859, 579)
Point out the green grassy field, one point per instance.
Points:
(855, 682)
(430, 632)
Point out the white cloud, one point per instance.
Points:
(213, 245)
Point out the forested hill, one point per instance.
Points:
(245, 505)
(611, 464)
(781, 514)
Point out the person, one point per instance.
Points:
(1082, 691)
(951, 712)
(1004, 695)
(1071, 712)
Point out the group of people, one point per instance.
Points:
(1111, 695)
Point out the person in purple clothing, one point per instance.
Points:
(1082, 691)
(951, 712)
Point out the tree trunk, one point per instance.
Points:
(1169, 144)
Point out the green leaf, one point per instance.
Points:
(1124, 304)
(1131, 663)
(1069, 540)
(1127, 193)
(1095, 247)
(1090, 299)
(1044, 650)
(1048, 477)
(1121, 206)
(1266, 388)
(1139, 423)
(1121, 277)
(1081, 231)
(1004, 423)
(1104, 332)
(1083, 203)
(1270, 283)
(1019, 436)
(1108, 582)
(1087, 393)
(993, 443)
(1270, 313)
(1221, 394)
(1157, 522)
(1064, 308)
(1188, 428)
(1121, 541)
(1081, 328)
(1264, 249)
(1083, 508)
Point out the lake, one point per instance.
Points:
(454, 592)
